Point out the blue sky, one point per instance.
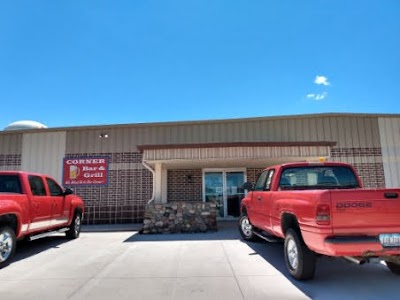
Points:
(73, 63)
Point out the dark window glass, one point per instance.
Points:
(264, 181)
(10, 184)
(37, 186)
(318, 177)
(55, 189)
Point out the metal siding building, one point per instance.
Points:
(177, 161)
(389, 129)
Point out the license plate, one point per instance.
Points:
(390, 239)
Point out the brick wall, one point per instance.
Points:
(253, 174)
(10, 160)
(124, 199)
(185, 185)
(356, 152)
(371, 173)
(117, 157)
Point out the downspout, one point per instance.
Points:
(154, 184)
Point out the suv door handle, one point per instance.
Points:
(259, 198)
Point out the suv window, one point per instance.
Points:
(37, 186)
(55, 189)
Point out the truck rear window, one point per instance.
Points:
(318, 177)
(10, 184)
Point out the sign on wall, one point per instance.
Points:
(85, 171)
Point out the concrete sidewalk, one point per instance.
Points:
(112, 227)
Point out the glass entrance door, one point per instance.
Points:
(234, 193)
(224, 187)
(213, 190)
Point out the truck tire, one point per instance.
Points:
(245, 228)
(8, 243)
(300, 261)
(393, 267)
(75, 227)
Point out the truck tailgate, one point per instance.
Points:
(365, 212)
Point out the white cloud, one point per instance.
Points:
(321, 96)
(317, 97)
(321, 80)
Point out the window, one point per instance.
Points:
(54, 188)
(319, 177)
(264, 181)
(10, 184)
(37, 186)
(269, 180)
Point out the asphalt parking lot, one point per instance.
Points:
(104, 264)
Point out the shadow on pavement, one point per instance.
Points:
(335, 278)
(27, 249)
(226, 231)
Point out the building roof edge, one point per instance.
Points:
(197, 122)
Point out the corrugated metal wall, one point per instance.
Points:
(10, 151)
(43, 152)
(11, 143)
(347, 131)
(236, 153)
(390, 139)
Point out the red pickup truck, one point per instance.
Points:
(321, 208)
(33, 206)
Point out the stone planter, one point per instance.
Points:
(176, 217)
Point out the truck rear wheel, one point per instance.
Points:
(75, 227)
(245, 228)
(8, 243)
(393, 267)
(300, 261)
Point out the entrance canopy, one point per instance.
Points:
(256, 154)
(161, 158)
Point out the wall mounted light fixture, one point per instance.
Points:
(103, 135)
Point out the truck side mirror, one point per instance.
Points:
(248, 186)
(68, 191)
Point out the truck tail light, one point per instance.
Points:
(323, 214)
